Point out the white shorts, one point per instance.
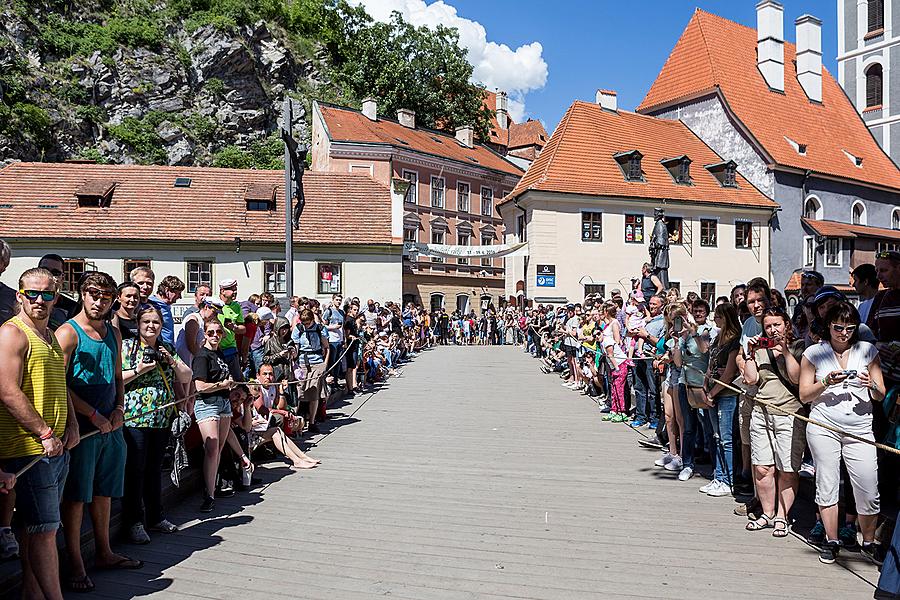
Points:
(776, 439)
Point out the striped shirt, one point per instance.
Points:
(44, 383)
(884, 320)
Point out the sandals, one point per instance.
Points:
(763, 522)
(81, 585)
(781, 527)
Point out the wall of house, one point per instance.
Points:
(554, 238)
(707, 118)
(366, 272)
(421, 288)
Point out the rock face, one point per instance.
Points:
(178, 104)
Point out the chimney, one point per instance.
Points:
(370, 108)
(770, 43)
(466, 135)
(502, 110)
(607, 100)
(407, 117)
(809, 56)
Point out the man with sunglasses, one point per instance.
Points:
(93, 354)
(36, 418)
(232, 318)
(64, 305)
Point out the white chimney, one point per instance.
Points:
(466, 136)
(502, 110)
(370, 109)
(407, 118)
(809, 56)
(607, 100)
(770, 43)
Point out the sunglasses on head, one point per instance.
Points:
(32, 295)
(97, 293)
(843, 328)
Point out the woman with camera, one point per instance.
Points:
(841, 377)
(777, 440)
(150, 370)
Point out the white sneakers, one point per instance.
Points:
(664, 460)
(717, 489)
(710, 485)
(685, 474)
(9, 547)
(674, 464)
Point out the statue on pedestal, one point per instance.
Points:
(659, 247)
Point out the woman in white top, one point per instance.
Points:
(840, 377)
(190, 336)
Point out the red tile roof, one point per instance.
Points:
(497, 135)
(37, 200)
(714, 53)
(529, 133)
(347, 125)
(579, 159)
(847, 230)
(793, 285)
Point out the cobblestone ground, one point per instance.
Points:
(474, 476)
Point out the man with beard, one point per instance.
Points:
(93, 354)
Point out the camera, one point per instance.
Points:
(150, 355)
(851, 374)
(765, 343)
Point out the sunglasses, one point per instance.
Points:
(843, 328)
(214, 333)
(32, 295)
(99, 294)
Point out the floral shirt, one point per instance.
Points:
(149, 390)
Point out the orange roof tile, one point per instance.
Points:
(579, 159)
(848, 230)
(529, 133)
(793, 285)
(496, 135)
(347, 125)
(715, 53)
(37, 201)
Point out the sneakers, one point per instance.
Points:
(208, 504)
(619, 418)
(165, 526)
(718, 489)
(653, 424)
(685, 474)
(568, 384)
(637, 423)
(830, 552)
(664, 460)
(674, 465)
(609, 416)
(817, 534)
(652, 442)
(9, 547)
(874, 552)
(710, 485)
(847, 536)
(138, 535)
(807, 470)
(578, 387)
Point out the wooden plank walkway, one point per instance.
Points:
(474, 476)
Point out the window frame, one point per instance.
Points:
(635, 226)
(680, 219)
(594, 288)
(129, 264)
(874, 20)
(68, 281)
(712, 299)
(809, 251)
(487, 262)
(265, 272)
(715, 222)
(468, 208)
(820, 208)
(862, 215)
(187, 274)
(443, 191)
(442, 233)
(749, 238)
(340, 277)
(489, 197)
(431, 301)
(413, 186)
(840, 250)
(591, 239)
(874, 95)
(895, 219)
(461, 260)
(415, 235)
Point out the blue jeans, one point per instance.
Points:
(39, 491)
(719, 420)
(644, 391)
(689, 435)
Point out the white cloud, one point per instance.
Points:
(497, 66)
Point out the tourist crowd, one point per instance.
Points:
(97, 392)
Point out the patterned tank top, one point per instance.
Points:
(44, 384)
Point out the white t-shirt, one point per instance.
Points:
(573, 323)
(181, 347)
(846, 405)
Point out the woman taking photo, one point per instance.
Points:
(150, 370)
(777, 440)
(124, 318)
(212, 408)
(840, 377)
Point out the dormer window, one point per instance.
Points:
(260, 197)
(725, 172)
(797, 146)
(856, 160)
(630, 164)
(679, 168)
(95, 193)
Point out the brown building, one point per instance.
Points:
(455, 185)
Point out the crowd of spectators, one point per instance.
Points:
(101, 393)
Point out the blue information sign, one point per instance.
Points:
(546, 280)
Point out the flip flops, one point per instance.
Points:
(81, 585)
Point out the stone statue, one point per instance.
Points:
(659, 247)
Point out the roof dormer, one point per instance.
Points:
(630, 163)
(95, 193)
(679, 168)
(260, 196)
(725, 173)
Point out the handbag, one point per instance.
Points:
(697, 397)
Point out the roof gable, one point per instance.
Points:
(714, 53)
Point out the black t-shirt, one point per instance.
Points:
(210, 367)
(128, 328)
(396, 325)
(351, 329)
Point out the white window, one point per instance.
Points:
(833, 252)
(895, 219)
(437, 192)
(198, 273)
(329, 278)
(809, 251)
(813, 208)
(858, 213)
(708, 291)
(462, 197)
(487, 201)
(486, 240)
(412, 196)
(463, 240)
(437, 237)
(275, 278)
(410, 234)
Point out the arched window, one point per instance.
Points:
(437, 302)
(874, 86)
(895, 219)
(858, 213)
(813, 208)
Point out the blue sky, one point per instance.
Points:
(615, 45)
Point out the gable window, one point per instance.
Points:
(487, 201)
(591, 226)
(709, 233)
(833, 252)
(437, 192)
(412, 195)
(130, 264)
(725, 173)
(73, 269)
(675, 225)
(437, 237)
(410, 234)
(874, 86)
(634, 229)
(679, 168)
(199, 272)
(463, 240)
(875, 15)
(858, 213)
(260, 196)
(275, 282)
(809, 251)
(630, 163)
(462, 197)
(743, 234)
(95, 193)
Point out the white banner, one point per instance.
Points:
(451, 251)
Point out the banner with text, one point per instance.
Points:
(451, 251)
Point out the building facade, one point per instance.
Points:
(869, 66)
(203, 225)
(769, 105)
(453, 185)
(585, 209)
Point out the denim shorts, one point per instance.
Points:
(97, 467)
(212, 407)
(39, 491)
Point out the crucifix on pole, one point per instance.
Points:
(294, 167)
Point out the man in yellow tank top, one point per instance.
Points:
(36, 419)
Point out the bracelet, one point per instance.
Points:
(47, 435)
(825, 381)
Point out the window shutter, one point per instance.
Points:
(876, 15)
(756, 241)
(687, 236)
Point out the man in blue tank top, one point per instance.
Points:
(92, 350)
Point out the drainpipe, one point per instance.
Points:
(526, 257)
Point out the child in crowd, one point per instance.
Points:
(636, 316)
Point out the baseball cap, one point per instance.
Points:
(214, 302)
(825, 292)
(227, 283)
(265, 313)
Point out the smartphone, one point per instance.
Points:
(678, 325)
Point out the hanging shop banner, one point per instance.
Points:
(450, 251)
